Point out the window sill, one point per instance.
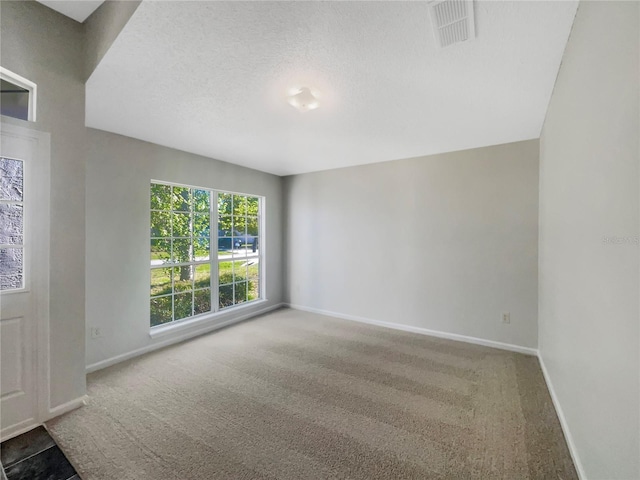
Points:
(209, 320)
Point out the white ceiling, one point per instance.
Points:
(79, 10)
(212, 78)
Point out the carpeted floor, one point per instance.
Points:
(294, 395)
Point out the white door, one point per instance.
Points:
(24, 278)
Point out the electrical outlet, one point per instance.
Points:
(96, 332)
(506, 317)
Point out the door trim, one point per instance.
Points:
(39, 282)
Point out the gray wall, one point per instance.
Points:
(119, 171)
(46, 48)
(444, 242)
(589, 289)
(103, 27)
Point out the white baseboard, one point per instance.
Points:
(30, 424)
(423, 331)
(563, 422)
(67, 407)
(18, 429)
(178, 338)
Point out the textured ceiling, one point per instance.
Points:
(212, 78)
(79, 10)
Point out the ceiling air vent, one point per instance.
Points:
(452, 21)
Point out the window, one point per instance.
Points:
(18, 96)
(11, 224)
(197, 269)
(238, 249)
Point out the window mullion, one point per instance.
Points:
(215, 274)
(261, 237)
(192, 267)
(173, 270)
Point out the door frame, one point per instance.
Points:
(38, 176)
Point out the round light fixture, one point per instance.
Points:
(303, 100)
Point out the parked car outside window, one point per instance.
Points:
(226, 242)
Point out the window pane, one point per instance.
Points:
(160, 310)
(245, 250)
(181, 224)
(239, 236)
(253, 290)
(252, 226)
(181, 250)
(14, 100)
(239, 226)
(225, 298)
(202, 277)
(225, 273)
(239, 205)
(224, 247)
(201, 226)
(253, 276)
(201, 249)
(11, 224)
(183, 278)
(239, 271)
(182, 307)
(240, 294)
(253, 204)
(224, 203)
(182, 199)
(160, 197)
(225, 240)
(201, 201)
(201, 301)
(11, 179)
(160, 251)
(224, 226)
(160, 224)
(239, 252)
(11, 268)
(160, 281)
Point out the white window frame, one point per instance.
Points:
(214, 259)
(28, 85)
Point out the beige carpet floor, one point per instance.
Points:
(293, 395)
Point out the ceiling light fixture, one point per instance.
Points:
(303, 100)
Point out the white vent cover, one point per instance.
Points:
(452, 21)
